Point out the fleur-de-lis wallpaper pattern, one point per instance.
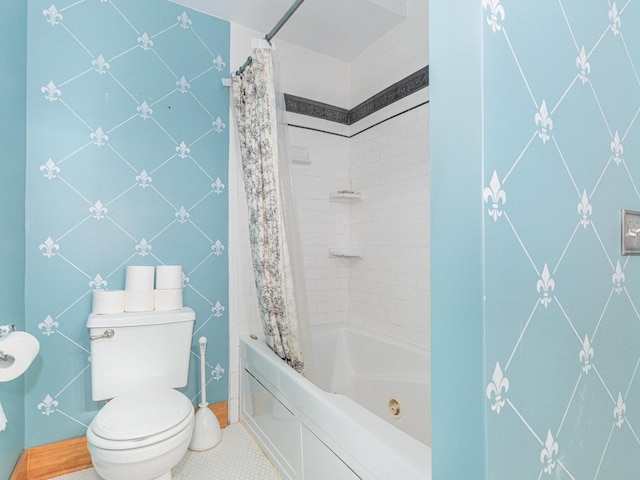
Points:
(562, 149)
(127, 152)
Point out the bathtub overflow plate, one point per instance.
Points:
(394, 408)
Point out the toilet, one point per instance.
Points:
(137, 360)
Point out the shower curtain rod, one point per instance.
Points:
(274, 31)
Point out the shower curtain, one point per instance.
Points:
(275, 245)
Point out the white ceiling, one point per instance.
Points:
(342, 29)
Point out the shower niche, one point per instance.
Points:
(347, 197)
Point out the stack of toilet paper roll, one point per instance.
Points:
(139, 294)
(168, 292)
(138, 289)
(108, 301)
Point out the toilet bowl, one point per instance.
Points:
(141, 435)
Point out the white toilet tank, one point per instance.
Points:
(147, 350)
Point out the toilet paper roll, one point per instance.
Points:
(139, 278)
(138, 300)
(18, 351)
(105, 302)
(168, 277)
(169, 299)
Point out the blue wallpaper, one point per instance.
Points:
(534, 152)
(127, 150)
(458, 404)
(13, 72)
(561, 148)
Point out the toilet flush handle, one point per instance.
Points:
(108, 333)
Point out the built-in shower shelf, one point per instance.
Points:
(346, 252)
(345, 197)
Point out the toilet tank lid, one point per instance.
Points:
(185, 314)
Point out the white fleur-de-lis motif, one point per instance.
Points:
(218, 63)
(218, 125)
(183, 85)
(100, 65)
(217, 309)
(549, 454)
(618, 278)
(145, 42)
(185, 280)
(143, 180)
(98, 283)
(182, 215)
(143, 248)
(98, 211)
(52, 15)
(617, 148)
(99, 137)
(217, 248)
(583, 65)
(3, 419)
(183, 150)
(497, 196)
(586, 355)
(585, 209)
(49, 247)
(218, 186)
(619, 411)
(546, 284)
(217, 372)
(51, 92)
(544, 122)
(614, 19)
(50, 169)
(48, 326)
(497, 389)
(48, 405)
(496, 15)
(184, 20)
(144, 110)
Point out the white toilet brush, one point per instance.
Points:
(206, 431)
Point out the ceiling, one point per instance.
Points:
(342, 29)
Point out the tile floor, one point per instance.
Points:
(236, 457)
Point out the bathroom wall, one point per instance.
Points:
(127, 146)
(537, 133)
(13, 56)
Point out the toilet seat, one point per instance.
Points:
(140, 419)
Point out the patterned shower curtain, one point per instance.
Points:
(254, 99)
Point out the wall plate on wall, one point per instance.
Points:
(630, 232)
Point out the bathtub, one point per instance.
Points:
(367, 415)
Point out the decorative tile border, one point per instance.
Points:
(311, 108)
(405, 87)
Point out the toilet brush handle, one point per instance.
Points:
(203, 385)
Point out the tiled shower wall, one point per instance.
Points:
(389, 287)
(341, 163)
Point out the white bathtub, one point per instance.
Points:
(340, 428)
